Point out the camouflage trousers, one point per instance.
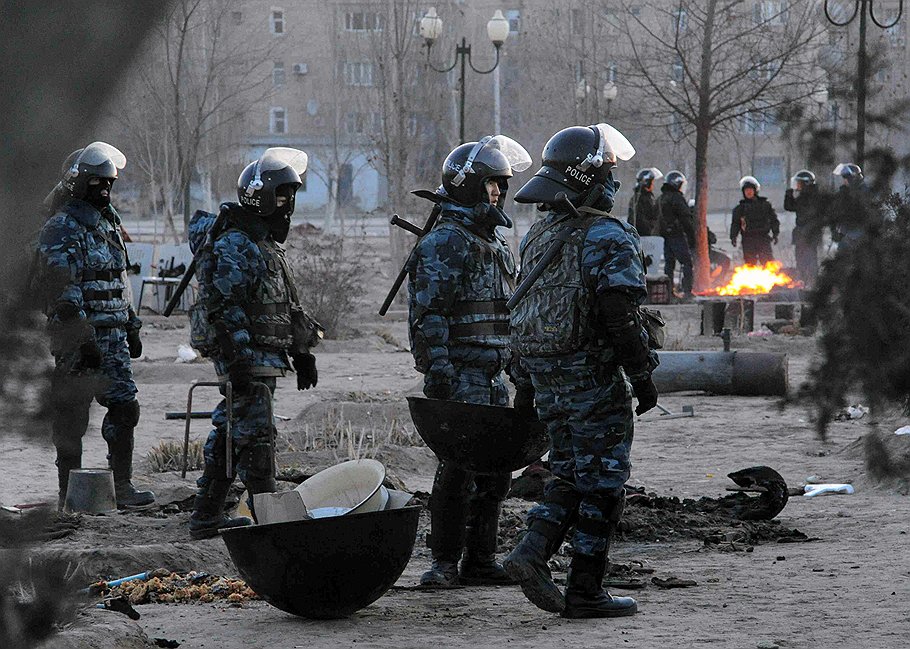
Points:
(461, 498)
(251, 437)
(73, 388)
(588, 415)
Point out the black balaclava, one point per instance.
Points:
(94, 193)
(279, 221)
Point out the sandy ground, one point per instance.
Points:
(849, 588)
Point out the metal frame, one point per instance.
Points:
(229, 407)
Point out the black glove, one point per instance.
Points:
(240, 372)
(305, 366)
(437, 386)
(90, 354)
(134, 342)
(646, 393)
(524, 403)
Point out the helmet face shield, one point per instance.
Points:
(516, 155)
(259, 181)
(98, 159)
(750, 181)
(97, 153)
(611, 146)
(281, 157)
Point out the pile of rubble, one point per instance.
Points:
(165, 587)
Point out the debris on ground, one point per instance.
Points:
(673, 582)
(165, 587)
(119, 604)
(856, 411)
(813, 490)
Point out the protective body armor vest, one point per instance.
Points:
(269, 309)
(554, 317)
(480, 316)
(100, 262)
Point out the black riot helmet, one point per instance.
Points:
(676, 180)
(804, 176)
(573, 161)
(647, 176)
(97, 160)
(849, 171)
(469, 166)
(260, 181)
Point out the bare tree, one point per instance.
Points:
(705, 66)
(199, 78)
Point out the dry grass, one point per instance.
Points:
(349, 442)
(168, 456)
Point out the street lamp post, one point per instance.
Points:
(583, 91)
(431, 29)
(860, 9)
(610, 92)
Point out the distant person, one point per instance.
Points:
(644, 212)
(677, 227)
(804, 199)
(851, 210)
(755, 220)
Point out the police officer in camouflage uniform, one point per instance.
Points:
(249, 321)
(460, 276)
(93, 328)
(584, 353)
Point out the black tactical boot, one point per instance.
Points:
(442, 574)
(527, 564)
(208, 511)
(585, 596)
(479, 566)
(121, 463)
(65, 464)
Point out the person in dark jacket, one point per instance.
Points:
(677, 227)
(756, 221)
(804, 199)
(644, 213)
(851, 210)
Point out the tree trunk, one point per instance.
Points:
(702, 265)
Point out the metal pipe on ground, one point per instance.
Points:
(734, 373)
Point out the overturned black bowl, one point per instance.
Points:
(477, 437)
(328, 567)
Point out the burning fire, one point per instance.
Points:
(751, 280)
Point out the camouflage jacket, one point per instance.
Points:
(556, 317)
(460, 276)
(245, 287)
(82, 266)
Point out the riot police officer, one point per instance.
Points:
(460, 276)
(804, 199)
(644, 212)
(756, 221)
(852, 211)
(677, 227)
(93, 327)
(249, 321)
(583, 353)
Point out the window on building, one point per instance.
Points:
(770, 12)
(680, 19)
(769, 170)
(237, 17)
(764, 71)
(635, 10)
(358, 73)
(514, 18)
(579, 71)
(277, 21)
(363, 21)
(611, 73)
(758, 122)
(413, 125)
(278, 77)
(677, 129)
(577, 20)
(678, 72)
(278, 121)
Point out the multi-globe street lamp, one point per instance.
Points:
(497, 31)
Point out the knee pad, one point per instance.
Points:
(124, 414)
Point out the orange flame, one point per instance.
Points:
(751, 280)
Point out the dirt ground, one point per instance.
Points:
(850, 587)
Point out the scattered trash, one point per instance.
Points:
(279, 507)
(903, 430)
(856, 411)
(665, 414)
(186, 354)
(119, 604)
(764, 332)
(814, 479)
(100, 586)
(821, 489)
(772, 490)
(673, 582)
(165, 587)
(167, 644)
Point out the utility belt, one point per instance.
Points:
(472, 329)
(112, 294)
(497, 323)
(102, 275)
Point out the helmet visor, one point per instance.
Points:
(611, 146)
(97, 153)
(281, 157)
(515, 154)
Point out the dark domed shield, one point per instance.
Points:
(476, 437)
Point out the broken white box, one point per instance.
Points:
(280, 507)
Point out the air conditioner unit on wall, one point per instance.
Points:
(300, 68)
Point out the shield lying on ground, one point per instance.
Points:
(772, 490)
(476, 437)
(328, 567)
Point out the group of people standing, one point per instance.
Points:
(754, 223)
